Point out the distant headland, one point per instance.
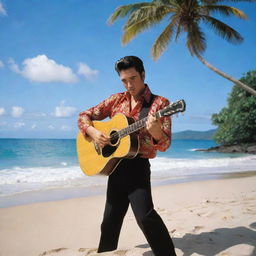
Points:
(249, 148)
(194, 135)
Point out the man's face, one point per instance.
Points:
(132, 81)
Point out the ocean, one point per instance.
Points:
(35, 170)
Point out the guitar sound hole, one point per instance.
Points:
(114, 139)
(108, 150)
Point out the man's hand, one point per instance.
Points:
(154, 127)
(99, 137)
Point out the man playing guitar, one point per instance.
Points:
(130, 182)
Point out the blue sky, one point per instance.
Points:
(57, 59)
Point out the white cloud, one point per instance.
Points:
(34, 126)
(64, 111)
(13, 66)
(44, 70)
(2, 111)
(66, 128)
(2, 10)
(19, 125)
(51, 127)
(1, 64)
(17, 111)
(87, 72)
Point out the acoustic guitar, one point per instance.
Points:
(124, 141)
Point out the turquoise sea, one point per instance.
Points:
(33, 170)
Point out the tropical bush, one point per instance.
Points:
(237, 122)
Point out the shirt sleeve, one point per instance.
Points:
(164, 143)
(98, 112)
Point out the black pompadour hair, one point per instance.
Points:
(129, 62)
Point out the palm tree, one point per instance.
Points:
(181, 16)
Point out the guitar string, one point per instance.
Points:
(141, 123)
(130, 129)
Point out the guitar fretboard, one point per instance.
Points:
(132, 127)
(178, 106)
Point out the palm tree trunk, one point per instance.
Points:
(237, 82)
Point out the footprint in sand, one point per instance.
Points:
(227, 217)
(53, 251)
(88, 251)
(68, 252)
(197, 228)
(162, 210)
(206, 214)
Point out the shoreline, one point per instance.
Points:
(60, 194)
(210, 217)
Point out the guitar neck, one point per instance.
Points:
(135, 126)
(178, 106)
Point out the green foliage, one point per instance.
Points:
(181, 16)
(237, 122)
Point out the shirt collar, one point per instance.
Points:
(146, 95)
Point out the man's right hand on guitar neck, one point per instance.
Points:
(99, 137)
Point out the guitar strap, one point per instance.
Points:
(146, 106)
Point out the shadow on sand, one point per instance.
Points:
(215, 242)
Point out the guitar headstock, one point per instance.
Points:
(173, 108)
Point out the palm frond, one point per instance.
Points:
(221, 1)
(167, 2)
(196, 42)
(186, 17)
(155, 9)
(224, 10)
(163, 40)
(238, 1)
(143, 19)
(209, 1)
(178, 31)
(222, 29)
(125, 10)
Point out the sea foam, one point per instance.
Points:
(176, 166)
(20, 179)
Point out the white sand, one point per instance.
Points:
(216, 217)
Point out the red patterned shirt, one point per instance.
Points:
(121, 103)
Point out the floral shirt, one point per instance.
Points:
(121, 103)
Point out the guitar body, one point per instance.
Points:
(124, 141)
(94, 160)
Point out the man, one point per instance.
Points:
(130, 182)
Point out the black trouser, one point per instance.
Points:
(130, 183)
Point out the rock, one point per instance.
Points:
(249, 148)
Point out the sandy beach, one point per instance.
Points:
(214, 217)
